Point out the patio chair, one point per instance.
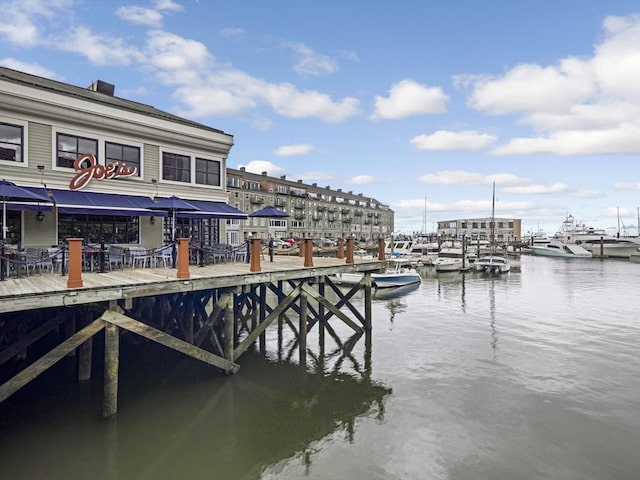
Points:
(116, 257)
(139, 257)
(161, 256)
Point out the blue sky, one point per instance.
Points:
(413, 103)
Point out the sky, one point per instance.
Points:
(420, 104)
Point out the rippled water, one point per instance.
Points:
(532, 375)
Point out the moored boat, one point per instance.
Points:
(556, 248)
(399, 275)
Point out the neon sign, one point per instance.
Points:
(88, 168)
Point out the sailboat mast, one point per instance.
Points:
(492, 224)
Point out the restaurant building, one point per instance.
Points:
(103, 161)
(506, 230)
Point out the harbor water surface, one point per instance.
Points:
(530, 375)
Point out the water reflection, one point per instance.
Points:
(492, 316)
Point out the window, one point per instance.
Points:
(207, 172)
(176, 167)
(70, 146)
(96, 228)
(233, 182)
(114, 152)
(11, 140)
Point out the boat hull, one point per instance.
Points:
(492, 264)
(389, 280)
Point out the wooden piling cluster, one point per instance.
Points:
(213, 314)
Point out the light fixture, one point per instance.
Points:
(39, 216)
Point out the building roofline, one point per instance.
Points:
(61, 88)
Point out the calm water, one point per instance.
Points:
(534, 375)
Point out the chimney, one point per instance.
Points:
(299, 181)
(101, 86)
(314, 184)
(283, 177)
(264, 174)
(242, 169)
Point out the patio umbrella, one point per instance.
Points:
(269, 212)
(11, 192)
(172, 205)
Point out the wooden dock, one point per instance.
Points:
(214, 315)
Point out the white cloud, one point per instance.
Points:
(168, 5)
(408, 98)
(32, 68)
(538, 189)
(460, 177)
(232, 92)
(180, 57)
(293, 150)
(587, 194)
(20, 19)
(316, 176)
(140, 15)
(579, 106)
(627, 186)
(362, 180)
(310, 63)
(259, 166)
(99, 50)
(444, 140)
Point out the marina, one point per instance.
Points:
(464, 373)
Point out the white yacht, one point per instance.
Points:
(451, 259)
(493, 262)
(557, 248)
(596, 240)
(424, 253)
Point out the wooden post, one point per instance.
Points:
(308, 252)
(602, 246)
(255, 255)
(183, 258)
(229, 326)
(301, 245)
(74, 278)
(350, 258)
(111, 364)
(340, 248)
(367, 301)
(85, 360)
(262, 305)
(381, 255)
(302, 343)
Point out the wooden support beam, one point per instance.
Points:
(282, 306)
(229, 328)
(169, 341)
(85, 359)
(46, 361)
(111, 367)
(367, 301)
(302, 338)
(33, 336)
(311, 292)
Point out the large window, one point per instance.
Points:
(70, 146)
(114, 152)
(95, 228)
(207, 172)
(11, 140)
(176, 167)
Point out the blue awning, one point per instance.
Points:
(93, 203)
(31, 206)
(207, 209)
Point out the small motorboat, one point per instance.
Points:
(398, 275)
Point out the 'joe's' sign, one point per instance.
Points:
(87, 168)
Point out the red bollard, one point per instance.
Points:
(381, 255)
(74, 278)
(183, 258)
(255, 255)
(308, 252)
(350, 258)
(340, 248)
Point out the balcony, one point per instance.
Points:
(256, 200)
